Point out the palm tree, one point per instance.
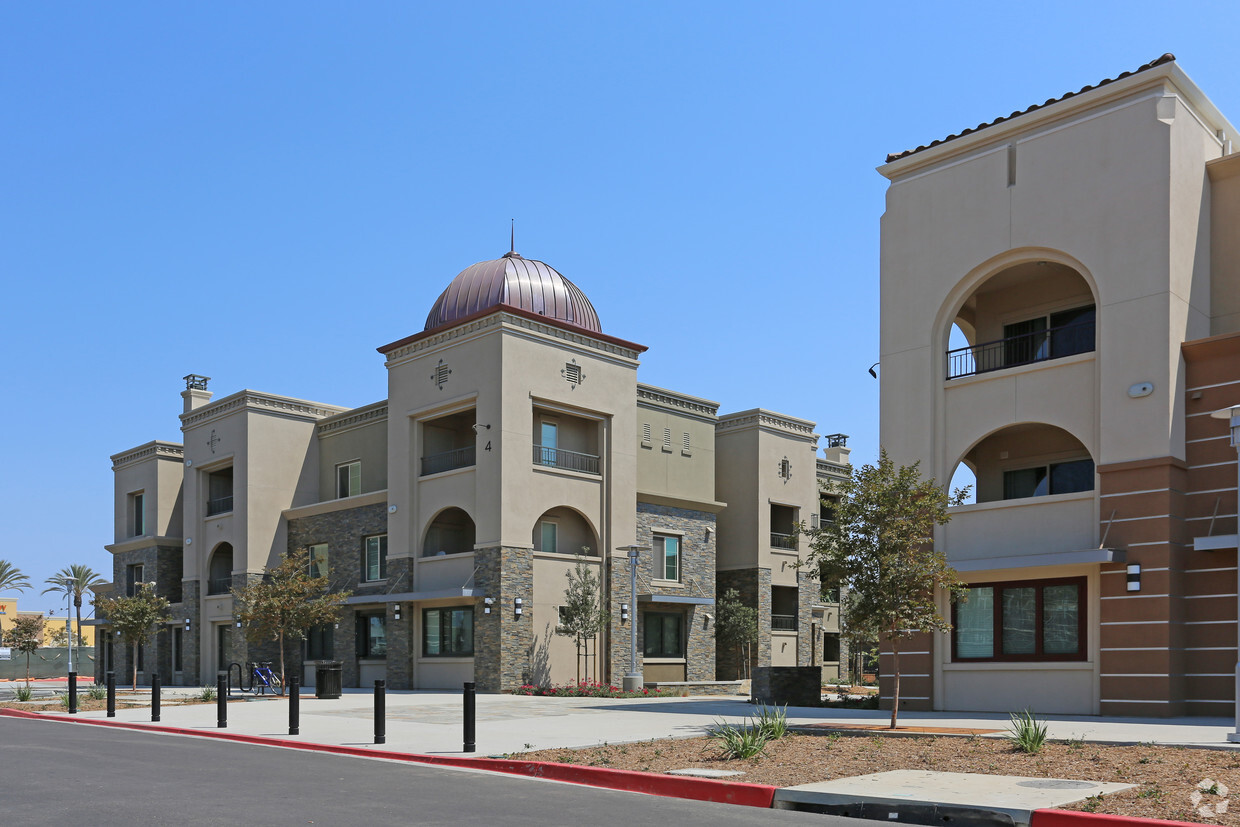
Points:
(12, 579)
(74, 581)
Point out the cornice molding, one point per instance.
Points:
(155, 449)
(828, 469)
(353, 419)
(501, 319)
(261, 402)
(768, 421)
(649, 396)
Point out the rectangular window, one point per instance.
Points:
(133, 577)
(1057, 478)
(348, 479)
(317, 560)
(667, 556)
(137, 514)
(374, 560)
(319, 641)
(448, 632)
(831, 647)
(547, 536)
(1028, 620)
(664, 635)
(372, 636)
(220, 492)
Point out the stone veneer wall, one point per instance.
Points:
(163, 564)
(787, 685)
(754, 587)
(345, 531)
(697, 578)
(503, 642)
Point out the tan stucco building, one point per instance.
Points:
(514, 437)
(1060, 315)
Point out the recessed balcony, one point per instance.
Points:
(449, 460)
(566, 460)
(448, 443)
(1025, 348)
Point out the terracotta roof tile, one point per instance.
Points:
(895, 156)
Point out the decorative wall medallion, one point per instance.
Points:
(572, 373)
(440, 376)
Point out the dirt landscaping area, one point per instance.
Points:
(1176, 783)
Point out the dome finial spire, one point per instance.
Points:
(512, 235)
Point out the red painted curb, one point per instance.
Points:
(667, 786)
(1076, 818)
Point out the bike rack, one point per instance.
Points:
(240, 676)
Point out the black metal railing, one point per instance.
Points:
(449, 460)
(783, 540)
(219, 585)
(1027, 348)
(219, 505)
(568, 460)
(783, 623)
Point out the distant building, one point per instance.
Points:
(515, 436)
(1061, 316)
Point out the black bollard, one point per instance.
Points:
(155, 698)
(294, 706)
(380, 712)
(111, 679)
(221, 701)
(73, 693)
(470, 735)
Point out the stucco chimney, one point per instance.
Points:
(195, 394)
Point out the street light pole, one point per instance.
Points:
(633, 681)
(69, 627)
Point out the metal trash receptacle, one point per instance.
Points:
(327, 679)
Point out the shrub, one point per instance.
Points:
(589, 689)
(207, 693)
(24, 693)
(739, 741)
(1027, 733)
(772, 721)
(97, 692)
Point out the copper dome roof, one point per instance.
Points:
(514, 282)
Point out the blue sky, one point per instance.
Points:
(264, 193)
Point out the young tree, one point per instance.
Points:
(23, 635)
(135, 618)
(881, 547)
(582, 615)
(74, 581)
(287, 603)
(12, 579)
(736, 625)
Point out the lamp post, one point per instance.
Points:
(633, 680)
(1233, 414)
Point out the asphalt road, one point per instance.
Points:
(58, 773)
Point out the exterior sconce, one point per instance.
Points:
(624, 612)
(238, 624)
(396, 611)
(118, 634)
(517, 606)
(486, 605)
(1134, 577)
(187, 624)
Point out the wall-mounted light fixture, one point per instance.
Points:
(624, 612)
(517, 605)
(487, 602)
(392, 508)
(709, 532)
(187, 624)
(238, 624)
(1134, 577)
(396, 611)
(480, 428)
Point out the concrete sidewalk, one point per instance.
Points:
(431, 722)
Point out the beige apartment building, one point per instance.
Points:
(515, 437)
(1060, 317)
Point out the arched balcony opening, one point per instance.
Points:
(1027, 460)
(965, 477)
(564, 531)
(1030, 312)
(451, 532)
(220, 569)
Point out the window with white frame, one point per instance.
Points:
(667, 556)
(348, 479)
(374, 560)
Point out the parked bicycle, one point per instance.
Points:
(262, 679)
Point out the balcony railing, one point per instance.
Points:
(783, 540)
(449, 460)
(219, 505)
(219, 585)
(1025, 349)
(783, 623)
(568, 460)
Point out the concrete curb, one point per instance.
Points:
(1076, 818)
(667, 786)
